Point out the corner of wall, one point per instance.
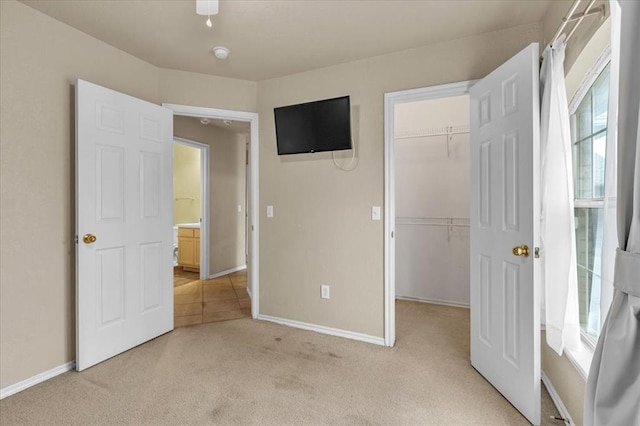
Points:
(568, 383)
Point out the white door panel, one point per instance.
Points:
(505, 335)
(124, 282)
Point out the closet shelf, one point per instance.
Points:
(433, 221)
(433, 131)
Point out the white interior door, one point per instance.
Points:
(505, 318)
(124, 281)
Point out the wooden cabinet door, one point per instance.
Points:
(186, 251)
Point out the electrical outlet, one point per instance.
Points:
(269, 211)
(324, 291)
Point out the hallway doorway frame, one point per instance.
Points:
(253, 268)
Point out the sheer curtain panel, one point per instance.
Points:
(557, 230)
(613, 388)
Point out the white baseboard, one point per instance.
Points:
(38, 378)
(227, 271)
(324, 330)
(564, 413)
(435, 301)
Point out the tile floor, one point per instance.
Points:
(198, 301)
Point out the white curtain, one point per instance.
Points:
(557, 227)
(613, 388)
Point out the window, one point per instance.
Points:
(589, 135)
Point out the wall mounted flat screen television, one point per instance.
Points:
(314, 126)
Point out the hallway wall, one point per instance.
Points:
(227, 185)
(186, 184)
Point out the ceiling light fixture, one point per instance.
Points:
(207, 8)
(221, 52)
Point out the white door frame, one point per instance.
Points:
(204, 202)
(253, 190)
(392, 99)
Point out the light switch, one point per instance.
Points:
(269, 211)
(375, 213)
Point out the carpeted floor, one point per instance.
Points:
(254, 372)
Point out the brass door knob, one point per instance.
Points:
(88, 238)
(521, 251)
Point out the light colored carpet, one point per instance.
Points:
(253, 372)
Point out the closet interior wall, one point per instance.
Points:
(432, 200)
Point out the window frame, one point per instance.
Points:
(583, 89)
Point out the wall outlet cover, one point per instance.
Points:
(375, 213)
(324, 291)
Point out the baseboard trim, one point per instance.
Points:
(324, 330)
(228, 271)
(564, 413)
(38, 378)
(435, 301)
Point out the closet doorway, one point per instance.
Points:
(427, 169)
(432, 200)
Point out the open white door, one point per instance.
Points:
(505, 317)
(124, 281)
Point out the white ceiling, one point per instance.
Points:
(270, 38)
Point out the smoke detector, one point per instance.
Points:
(221, 52)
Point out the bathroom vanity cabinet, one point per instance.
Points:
(189, 248)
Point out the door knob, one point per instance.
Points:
(88, 238)
(522, 250)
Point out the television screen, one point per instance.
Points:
(314, 126)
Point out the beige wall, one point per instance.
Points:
(41, 58)
(186, 184)
(40, 63)
(566, 380)
(186, 88)
(322, 232)
(226, 190)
